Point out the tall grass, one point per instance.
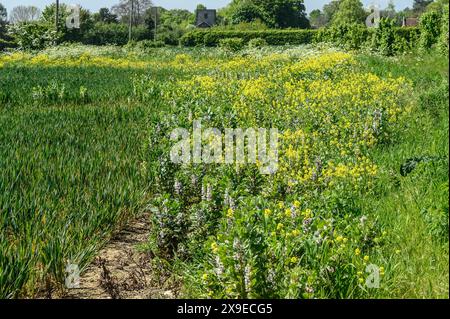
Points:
(415, 207)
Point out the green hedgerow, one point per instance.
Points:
(430, 29)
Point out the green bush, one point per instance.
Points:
(2, 29)
(355, 36)
(257, 43)
(384, 39)
(146, 44)
(406, 39)
(272, 37)
(443, 39)
(430, 29)
(114, 33)
(350, 36)
(4, 44)
(231, 44)
(170, 35)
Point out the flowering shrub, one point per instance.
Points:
(33, 35)
(285, 250)
(296, 233)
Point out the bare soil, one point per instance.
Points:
(121, 271)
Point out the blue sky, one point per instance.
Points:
(94, 5)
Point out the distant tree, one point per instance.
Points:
(420, 6)
(273, 13)
(200, 7)
(406, 13)
(389, 12)
(3, 17)
(330, 9)
(176, 17)
(3, 14)
(226, 13)
(24, 14)
(437, 5)
(317, 18)
(246, 12)
(350, 11)
(140, 7)
(86, 22)
(171, 24)
(283, 13)
(105, 15)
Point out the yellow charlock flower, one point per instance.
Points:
(214, 247)
(287, 212)
(295, 232)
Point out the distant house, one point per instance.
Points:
(206, 18)
(410, 22)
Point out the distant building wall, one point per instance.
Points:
(206, 18)
(410, 22)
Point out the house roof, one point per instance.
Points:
(204, 24)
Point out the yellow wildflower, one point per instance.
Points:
(295, 232)
(214, 247)
(287, 212)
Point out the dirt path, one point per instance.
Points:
(120, 271)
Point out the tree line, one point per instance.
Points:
(29, 27)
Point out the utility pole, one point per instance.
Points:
(57, 16)
(130, 28)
